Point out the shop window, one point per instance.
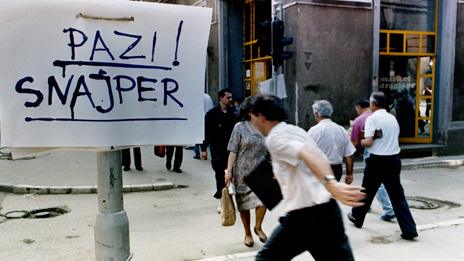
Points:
(411, 15)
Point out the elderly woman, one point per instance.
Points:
(246, 147)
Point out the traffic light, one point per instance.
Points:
(279, 41)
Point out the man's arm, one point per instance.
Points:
(206, 142)
(319, 165)
(349, 169)
(367, 142)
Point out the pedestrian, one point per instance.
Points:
(246, 148)
(219, 123)
(208, 105)
(313, 222)
(177, 157)
(357, 134)
(126, 159)
(333, 140)
(383, 166)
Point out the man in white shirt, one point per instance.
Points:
(333, 140)
(381, 133)
(313, 222)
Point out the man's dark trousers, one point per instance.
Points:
(178, 156)
(126, 158)
(318, 229)
(219, 164)
(386, 170)
(337, 169)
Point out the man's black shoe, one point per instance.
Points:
(196, 157)
(177, 170)
(353, 220)
(139, 168)
(126, 168)
(168, 165)
(409, 236)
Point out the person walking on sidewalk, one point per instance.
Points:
(383, 166)
(313, 222)
(246, 148)
(177, 157)
(357, 133)
(219, 123)
(126, 159)
(208, 105)
(333, 140)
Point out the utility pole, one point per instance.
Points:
(274, 4)
(111, 226)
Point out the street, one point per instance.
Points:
(182, 223)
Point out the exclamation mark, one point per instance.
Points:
(175, 62)
(153, 47)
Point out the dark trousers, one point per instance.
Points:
(386, 170)
(318, 229)
(126, 158)
(177, 156)
(219, 164)
(337, 170)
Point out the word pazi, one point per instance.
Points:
(77, 87)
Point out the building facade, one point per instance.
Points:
(412, 50)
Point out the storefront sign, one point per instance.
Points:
(78, 73)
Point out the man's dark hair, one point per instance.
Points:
(222, 92)
(363, 103)
(379, 99)
(269, 106)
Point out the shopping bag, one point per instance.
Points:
(262, 182)
(160, 151)
(227, 209)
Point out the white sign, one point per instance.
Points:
(81, 73)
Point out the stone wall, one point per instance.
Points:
(332, 59)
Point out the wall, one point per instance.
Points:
(332, 59)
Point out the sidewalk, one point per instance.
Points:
(76, 172)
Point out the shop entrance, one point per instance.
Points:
(407, 65)
(257, 60)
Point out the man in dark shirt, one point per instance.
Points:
(219, 123)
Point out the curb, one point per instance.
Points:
(37, 189)
(452, 164)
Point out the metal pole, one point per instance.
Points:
(274, 72)
(375, 46)
(111, 226)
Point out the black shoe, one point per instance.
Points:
(126, 168)
(139, 168)
(196, 157)
(353, 220)
(177, 170)
(168, 165)
(387, 218)
(409, 236)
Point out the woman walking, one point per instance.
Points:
(246, 147)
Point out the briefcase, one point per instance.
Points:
(262, 182)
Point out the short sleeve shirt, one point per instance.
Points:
(333, 140)
(388, 144)
(300, 187)
(358, 126)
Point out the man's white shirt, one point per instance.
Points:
(333, 140)
(388, 144)
(300, 187)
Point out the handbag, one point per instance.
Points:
(160, 151)
(262, 182)
(227, 209)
